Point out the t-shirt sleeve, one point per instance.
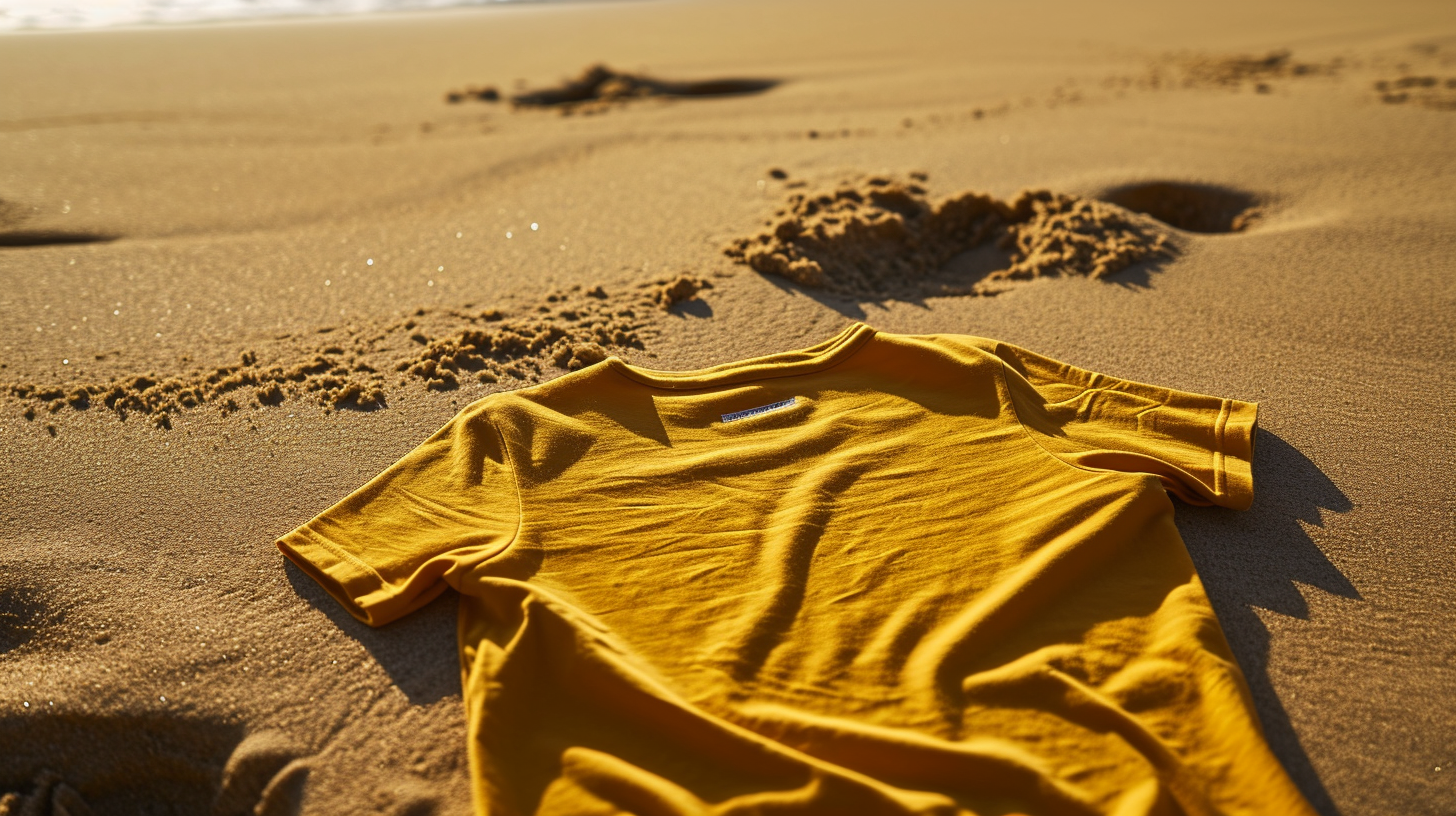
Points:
(1200, 447)
(396, 543)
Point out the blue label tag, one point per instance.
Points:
(762, 409)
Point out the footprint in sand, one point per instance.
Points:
(264, 776)
(49, 796)
(59, 761)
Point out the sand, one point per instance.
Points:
(244, 268)
(881, 240)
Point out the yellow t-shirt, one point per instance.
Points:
(886, 574)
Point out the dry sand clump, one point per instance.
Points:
(1231, 72)
(599, 87)
(672, 292)
(479, 93)
(885, 239)
(354, 367)
(1237, 71)
(1427, 91)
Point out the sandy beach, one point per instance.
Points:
(244, 268)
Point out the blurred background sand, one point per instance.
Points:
(172, 198)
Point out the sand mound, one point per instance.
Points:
(599, 87)
(570, 330)
(669, 293)
(354, 367)
(884, 239)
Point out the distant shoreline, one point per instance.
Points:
(227, 15)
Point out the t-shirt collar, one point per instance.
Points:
(782, 364)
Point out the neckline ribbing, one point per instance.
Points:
(780, 364)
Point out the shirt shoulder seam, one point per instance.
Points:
(1016, 415)
(510, 461)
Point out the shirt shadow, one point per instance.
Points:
(418, 651)
(961, 273)
(1254, 559)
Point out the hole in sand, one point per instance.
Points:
(22, 613)
(1191, 207)
(35, 238)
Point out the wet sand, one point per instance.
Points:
(245, 268)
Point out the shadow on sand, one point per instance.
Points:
(1253, 559)
(963, 271)
(418, 651)
(148, 762)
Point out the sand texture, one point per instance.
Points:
(245, 268)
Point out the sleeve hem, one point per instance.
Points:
(350, 581)
(1235, 455)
